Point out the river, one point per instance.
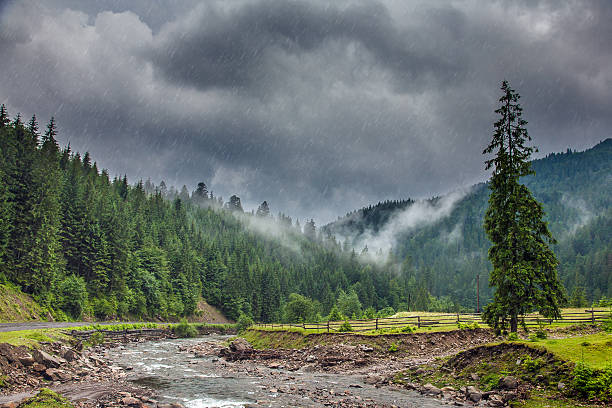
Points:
(211, 382)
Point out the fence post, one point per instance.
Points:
(328, 326)
(377, 323)
(419, 322)
(304, 325)
(457, 317)
(592, 315)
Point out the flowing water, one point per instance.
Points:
(210, 382)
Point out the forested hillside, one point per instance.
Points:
(448, 254)
(82, 242)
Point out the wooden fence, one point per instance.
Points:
(591, 316)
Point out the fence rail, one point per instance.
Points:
(590, 316)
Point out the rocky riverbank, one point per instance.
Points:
(85, 377)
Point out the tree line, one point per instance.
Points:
(85, 243)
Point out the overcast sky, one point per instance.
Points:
(317, 107)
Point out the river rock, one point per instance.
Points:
(131, 401)
(240, 345)
(561, 386)
(46, 359)
(372, 379)
(54, 374)
(508, 383)
(27, 360)
(496, 400)
(473, 394)
(431, 389)
(311, 359)
(69, 354)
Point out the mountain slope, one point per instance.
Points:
(448, 253)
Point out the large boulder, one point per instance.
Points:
(46, 359)
(240, 345)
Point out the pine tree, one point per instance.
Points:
(263, 210)
(524, 267)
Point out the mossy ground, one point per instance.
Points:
(46, 399)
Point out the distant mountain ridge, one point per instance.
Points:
(576, 191)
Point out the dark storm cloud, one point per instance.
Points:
(237, 48)
(318, 107)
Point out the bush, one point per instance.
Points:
(590, 383)
(393, 348)
(386, 312)
(513, 336)
(335, 315)
(96, 338)
(408, 329)
(345, 327)
(243, 323)
(184, 329)
(530, 364)
(104, 308)
(72, 296)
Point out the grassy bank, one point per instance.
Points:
(31, 338)
(567, 372)
(16, 306)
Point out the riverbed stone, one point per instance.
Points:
(131, 401)
(27, 360)
(240, 345)
(508, 383)
(46, 359)
(431, 389)
(473, 394)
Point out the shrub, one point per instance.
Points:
(96, 338)
(345, 327)
(72, 296)
(393, 348)
(243, 323)
(408, 329)
(513, 336)
(541, 334)
(335, 315)
(591, 383)
(386, 312)
(184, 329)
(530, 364)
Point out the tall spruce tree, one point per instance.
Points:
(524, 267)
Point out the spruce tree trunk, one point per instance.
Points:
(513, 323)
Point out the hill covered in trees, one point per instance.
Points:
(449, 251)
(82, 242)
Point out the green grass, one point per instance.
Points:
(595, 350)
(31, 337)
(548, 401)
(46, 399)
